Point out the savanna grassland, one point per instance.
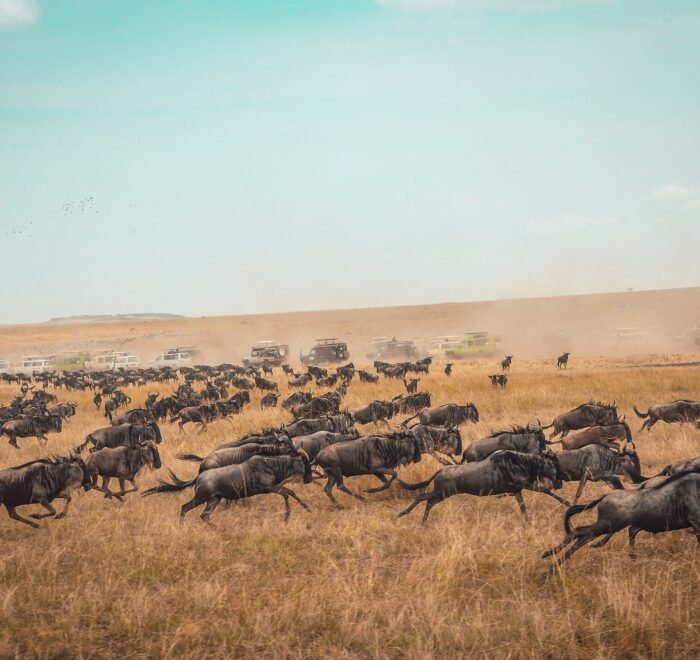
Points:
(112, 579)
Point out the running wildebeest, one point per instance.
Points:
(411, 402)
(671, 504)
(150, 400)
(499, 379)
(31, 427)
(526, 439)
(296, 399)
(506, 362)
(65, 410)
(596, 463)
(378, 455)
(123, 435)
(300, 381)
(374, 411)
(339, 423)
(689, 465)
(448, 369)
(223, 456)
(563, 360)
(41, 482)
(438, 438)
(502, 473)
(269, 400)
(265, 384)
(411, 385)
(201, 415)
(260, 475)
(605, 436)
(97, 400)
(134, 416)
(682, 411)
(449, 414)
(312, 444)
(366, 377)
(123, 463)
(584, 416)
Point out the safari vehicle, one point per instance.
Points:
(109, 360)
(72, 361)
(326, 351)
(440, 345)
(474, 345)
(176, 357)
(270, 352)
(34, 364)
(4, 366)
(383, 347)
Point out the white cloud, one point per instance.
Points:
(17, 13)
(569, 224)
(501, 5)
(672, 191)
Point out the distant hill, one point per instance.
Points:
(99, 318)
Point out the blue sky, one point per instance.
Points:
(222, 157)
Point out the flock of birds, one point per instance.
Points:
(323, 443)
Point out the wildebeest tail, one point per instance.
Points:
(575, 510)
(419, 485)
(80, 448)
(640, 414)
(167, 487)
(189, 457)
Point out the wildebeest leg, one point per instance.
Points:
(521, 503)
(558, 548)
(328, 488)
(105, 489)
(633, 531)
(386, 483)
(604, 540)
(695, 524)
(13, 441)
(345, 489)
(558, 498)
(614, 483)
(281, 490)
(583, 539)
(122, 486)
(45, 503)
(67, 497)
(444, 460)
(15, 516)
(209, 508)
(581, 485)
(188, 506)
(44, 438)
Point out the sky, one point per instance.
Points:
(208, 157)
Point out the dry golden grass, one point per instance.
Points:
(112, 580)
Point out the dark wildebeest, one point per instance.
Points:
(31, 427)
(41, 482)
(265, 384)
(502, 473)
(269, 400)
(339, 423)
(438, 438)
(65, 410)
(528, 439)
(411, 402)
(288, 371)
(258, 476)
(296, 399)
(122, 463)
(196, 415)
(378, 455)
(690, 465)
(499, 379)
(411, 385)
(151, 400)
(450, 414)
(505, 363)
(596, 463)
(670, 504)
(366, 377)
(168, 405)
(328, 381)
(128, 435)
(374, 411)
(317, 372)
(97, 400)
(135, 416)
(681, 411)
(605, 436)
(312, 444)
(563, 360)
(586, 415)
(326, 404)
(223, 456)
(448, 369)
(300, 381)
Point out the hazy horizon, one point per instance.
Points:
(248, 157)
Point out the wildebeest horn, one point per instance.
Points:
(303, 454)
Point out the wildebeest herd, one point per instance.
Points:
(322, 442)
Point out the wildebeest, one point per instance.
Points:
(134, 416)
(411, 402)
(97, 400)
(339, 423)
(499, 379)
(326, 404)
(265, 384)
(374, 411)
(449, 414)
(378, 455)
(31, 427)
(269, 400)
(312, 444)
(596, 463)
(122, 435)
(606, 436)
(689, 465)
(65, 410)
(584, 416)
(527, 439)
(506, 362)
(673, 503)
(201, 415)
(563, 360)
(681, 411)
(258, 476)
(367, 377)
(411, 385)
(41, 482)
(503, 472)
(297, 398)
(240, 453)
(300, 381)
(448, 369)
(122, 463)
(438, 438)
(151, 399)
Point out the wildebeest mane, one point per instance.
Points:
(508, 461)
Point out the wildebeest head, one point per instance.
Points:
(473, 413)
(549, 474)
(155, 456)
(308, 476)
(453, 440)
(631, 464)
(417, 456)
(80, 470)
